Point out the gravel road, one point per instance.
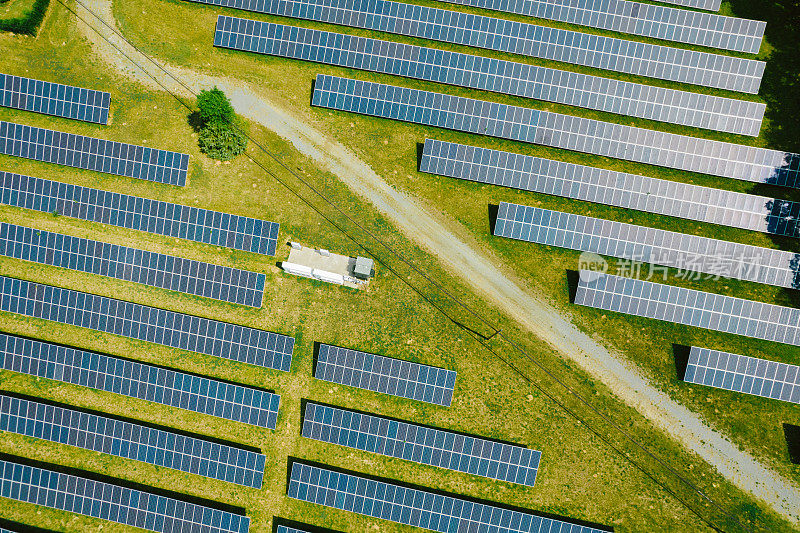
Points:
(479, 270)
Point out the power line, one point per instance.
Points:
(483, 339)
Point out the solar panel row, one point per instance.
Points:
(131, 441)
(131, 264)
(285, 529)
(647, 20)
(710, 5)
(385, 375)
(135, 321)
(143, 214)
(414, 507)
(689, 307)
(112, 502)
(90, 153)
(740, 373)
(643, 59)
(689, 253)
(629, 191)
(505, 77)
(54, 99)
(138, 380)
(522, 124)
(412, 442)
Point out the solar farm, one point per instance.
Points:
(584, 313)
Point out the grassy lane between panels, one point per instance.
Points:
(387, 319)
(396, 162)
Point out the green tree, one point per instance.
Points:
(221, 134)
(214, 106)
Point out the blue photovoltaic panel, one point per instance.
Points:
(629, 191)
(143, 214)
(414, 507)
(740, 373)
(113, 502)
(689, 253)
(131, 441)
(285, 529)
(385, 374)
(168, 328)
(138, 380)
(708, 5)
(131, 264)
(90, 153)
(647, 20)
(523, 124)
(434, 447)
(689, 307)
(506, 77)
(642, 59)
(54, 99)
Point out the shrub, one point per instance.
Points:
(214, 107)
(222, 140)
(27, 24)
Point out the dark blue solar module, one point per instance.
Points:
(168, 328)
(54, 99)
(138, 380)
(131, 441)
(418, 508)
(285, 529)
(600, 185)
(740, 373)
(709, 5)
(131, 507)
(591, 136)
(143, 214)
(132, 264)
(647, 20)
(90, 153)
(506, 77)
(689, 253)
(385, 374)
(412, 442)
(638, 58)
(689, 307)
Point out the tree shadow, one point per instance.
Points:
(194, 121)
(792, 434)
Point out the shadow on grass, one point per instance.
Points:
(681, 354)
(194, 121)
(16, 526)
(792, 434)
(27, 24)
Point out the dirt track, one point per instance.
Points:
(518, 302)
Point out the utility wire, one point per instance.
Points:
(481, 338)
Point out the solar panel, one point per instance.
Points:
(559, 131)
(113, 502)
(649, 245)
(642, 59)
(131, 441)
(138, 380)
(385, 375)
(609, 187)
(414, 507)
(131, 264)
(709, 5)
(647, 20)
(505, 77)
(285, 529)
(90, 153)
(434, 447)
(689, 307)
(740, 373)
(135, 321)
(143, 214)
(54, 99)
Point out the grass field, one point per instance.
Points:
(581, 476)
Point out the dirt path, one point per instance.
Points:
(537, 316)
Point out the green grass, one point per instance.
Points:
(22, 16)
(581, 476)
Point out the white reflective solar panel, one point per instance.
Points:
(709, 5)
(54, 99)
(642, 59)
(740, 373)
(689, 307)
(609, 187)
(115, 503)
(506, 77)
(131, 441)
(689, 253)
(647, 20)
(523, 124)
